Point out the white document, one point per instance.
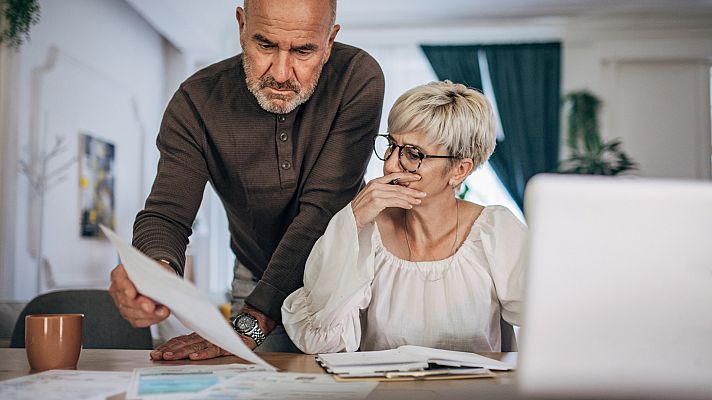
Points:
(65, 384)
(404, 358)
(184, 300)
(365, 363)
(181, 381)
(456, 358)
(286, 386)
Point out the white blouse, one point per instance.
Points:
(357, 295)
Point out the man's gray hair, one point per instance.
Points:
(450, 114)
(332, 9)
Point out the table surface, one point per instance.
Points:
(14, 364)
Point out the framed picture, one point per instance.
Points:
(96, 185)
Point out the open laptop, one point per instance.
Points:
(619, 295)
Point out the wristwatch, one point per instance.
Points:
(247, 325)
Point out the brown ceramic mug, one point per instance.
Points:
(53, 341)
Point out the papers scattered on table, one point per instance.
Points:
(410, 362)
(238, 381)
(65, 384)
(184, 300)
(170, 382)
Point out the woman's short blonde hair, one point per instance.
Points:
(451, 114)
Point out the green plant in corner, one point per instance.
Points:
(589, 153)
(16, 18)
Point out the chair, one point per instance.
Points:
(104, 328)
(509, 340)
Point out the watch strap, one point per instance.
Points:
(255, 333)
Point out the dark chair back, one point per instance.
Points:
(104, 328)
(509, 341)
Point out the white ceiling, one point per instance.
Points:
(208, 26)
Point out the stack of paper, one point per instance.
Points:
(410, 362)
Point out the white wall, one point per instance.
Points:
(653, 78)
(94, 66)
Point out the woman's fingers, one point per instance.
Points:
(398, 177)
(380, 194)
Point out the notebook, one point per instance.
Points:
(619, 295)
(409, 362)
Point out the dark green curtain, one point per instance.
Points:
(526, 83)
(456, 63)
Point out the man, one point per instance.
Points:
(283, 133)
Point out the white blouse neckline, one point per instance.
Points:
(441, 263)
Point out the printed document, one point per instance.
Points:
(238, 381)
(185, 301)
(182, 380)
(62, 384)
(396, 362)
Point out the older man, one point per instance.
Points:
(283, 133)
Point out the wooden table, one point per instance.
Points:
(13, 363)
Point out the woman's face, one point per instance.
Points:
(435, 172)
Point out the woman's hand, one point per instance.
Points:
(382, 193)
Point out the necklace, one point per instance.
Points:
(452, 250)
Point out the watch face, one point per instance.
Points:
(244, 323)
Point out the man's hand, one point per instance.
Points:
(139, 310)
(191, 346)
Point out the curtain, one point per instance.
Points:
(526, 84)
(456, 63)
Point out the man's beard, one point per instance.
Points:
(274, 102)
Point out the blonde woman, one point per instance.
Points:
(407, 262)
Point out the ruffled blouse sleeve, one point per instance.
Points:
(324, 315)
(504, 240)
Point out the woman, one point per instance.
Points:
(407, 262)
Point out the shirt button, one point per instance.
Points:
(286, 165)
(282, 118)
(283, 136)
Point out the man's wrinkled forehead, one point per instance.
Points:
(312, 12)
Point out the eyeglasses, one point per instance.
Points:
(409, 156)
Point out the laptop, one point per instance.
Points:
(619, 291)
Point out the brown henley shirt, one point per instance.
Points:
(280, 177)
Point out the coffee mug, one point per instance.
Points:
(53, 341)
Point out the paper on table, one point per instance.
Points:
(287, 386)
(64, 384)
(454, 358)
(184, 300)
(181, 381)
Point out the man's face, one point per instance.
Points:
(285, 45)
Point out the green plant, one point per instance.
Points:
(589, 154)
(17, 18)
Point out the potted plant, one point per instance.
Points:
(589, 153)
(16, 18)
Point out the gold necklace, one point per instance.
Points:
(452, 250)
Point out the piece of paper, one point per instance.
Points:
(371, 362)
(404, 358)
(184, 300)
(180, 381)
(287, 386)
(65, 384)
(456, 358)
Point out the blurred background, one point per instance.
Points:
(82, 97)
